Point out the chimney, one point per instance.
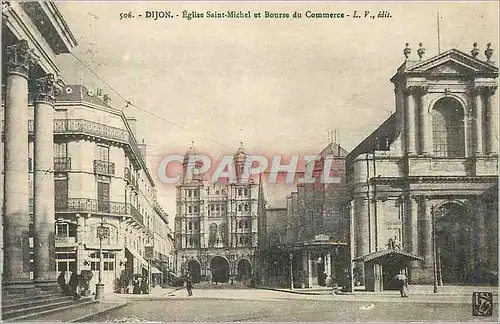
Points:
(132, 122)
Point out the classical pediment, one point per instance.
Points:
(452, 62)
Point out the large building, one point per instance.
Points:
(33, 34)
(217, 225)
(100, 178)
(427, 177)
(314, 234)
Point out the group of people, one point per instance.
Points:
(139, 285)
(70, 288)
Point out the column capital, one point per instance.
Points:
(48, 87)
(19, 58)
(489, 90)
(417, 89)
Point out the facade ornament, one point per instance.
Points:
(19, 58)
(48, 88)
(488, 52)
(5, 7)
(489, 90)
(475, 50)
(421, 51)
(407, 51)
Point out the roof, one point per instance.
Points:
(387, 253)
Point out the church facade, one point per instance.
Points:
(427, 177)
(217, 226)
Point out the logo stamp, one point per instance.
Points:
(482, 304)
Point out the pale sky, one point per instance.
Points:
(277, 85)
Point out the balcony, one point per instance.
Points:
(84, 205)
(104, 167)
(62, 241)
(90, 128)
(62, 163)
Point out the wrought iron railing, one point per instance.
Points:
(90, 128)
(84, 205)
(62, 163)
(104, 167)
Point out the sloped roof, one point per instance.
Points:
(386, 253)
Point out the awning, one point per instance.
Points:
(138, 257)
(155, 270)
(384, 254)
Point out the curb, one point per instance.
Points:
(103, 311)
(367, 293)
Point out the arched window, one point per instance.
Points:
(190, 210)
(239, 208)
(246, 207)
(246, 223)
(448, 128)
(190, 226)
(240, 225)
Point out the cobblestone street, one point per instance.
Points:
(209, 305)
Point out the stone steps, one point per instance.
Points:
(83, 313)
(17, 307)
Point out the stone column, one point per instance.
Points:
(328, 268)
(412, 241)
(426, 231)
(425, 123)
(18, 59)
(479, 130)
(46, 90)
(410, 119)
(492, 112)
(309, 270)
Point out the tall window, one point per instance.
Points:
(60, 150)
(65, 261)
(103, 196)
(62, 229)
(103, 153)
(61, 192)
(448, 129)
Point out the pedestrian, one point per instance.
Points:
(189, 286)
(402, 284)
(144, 286)
(73, 285)
(61, 281)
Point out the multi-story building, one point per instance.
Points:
(100, 179)
(427, 177)
(216, 225)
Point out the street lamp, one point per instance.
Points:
(102, 233)
(291, 270)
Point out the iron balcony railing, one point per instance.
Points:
(90, 128)
(104, 167)
(62, 163)
(84, 205)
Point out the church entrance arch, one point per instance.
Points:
(244, 270)
(194, 270)
(219, 267)
(455, 244)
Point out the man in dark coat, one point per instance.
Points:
(73, 285)
(189, 286)
(61, 281)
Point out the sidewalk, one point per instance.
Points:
(425, 290)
